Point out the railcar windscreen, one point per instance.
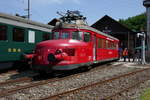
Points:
(87, 37)
(55, 35)
(77, 35)
(65, 35)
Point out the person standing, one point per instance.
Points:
(125, 54)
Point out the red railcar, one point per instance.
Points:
(73, 46)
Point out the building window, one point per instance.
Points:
(18, 35)
(3, 32)
(87, 37)
(46, 36)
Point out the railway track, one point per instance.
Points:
(35, 84)
(3, 73)
(64, 95)
(24, 79)
(125, 90)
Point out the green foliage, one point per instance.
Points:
(136, 23)
(145, 95)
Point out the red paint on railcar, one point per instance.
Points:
(66, 54)
(73, 46)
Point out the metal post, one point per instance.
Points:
(146, 3)
(142, 35)
(143, 49)
(28, 9)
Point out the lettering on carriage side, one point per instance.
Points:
(19, 50)
(9, 50)
(14, 50)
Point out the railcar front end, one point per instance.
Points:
(61, 55)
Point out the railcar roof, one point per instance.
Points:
(22, 20)
(64, 25)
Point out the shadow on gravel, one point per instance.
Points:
(108, 63)
(21, 74)
(56, 74)
(6, 70)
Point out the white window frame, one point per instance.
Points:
(31, 36)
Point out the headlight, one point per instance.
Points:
(58, 51)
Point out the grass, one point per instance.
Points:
(145, 95)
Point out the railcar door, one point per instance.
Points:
(94, 47)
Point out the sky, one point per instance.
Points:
(45, 10)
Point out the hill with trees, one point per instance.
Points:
(135, 23)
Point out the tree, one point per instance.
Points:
(135, 23)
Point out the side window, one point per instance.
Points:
(103, 43)
(64, 35)
(77, 35)
(31, 36)
(109, 44)
(3, 32)
(115, 46)
(46, 36)
(87, 37)
(18, 35)
(112, 45)
(99, 43)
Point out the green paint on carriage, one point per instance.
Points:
(13, 46)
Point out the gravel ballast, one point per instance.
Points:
(68, 84)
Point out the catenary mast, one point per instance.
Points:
(146, 3)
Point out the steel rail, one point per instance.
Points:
(13, 90)
(8, 72)
(124, 90)
(10, 91)
(24, 79)
(94, 84)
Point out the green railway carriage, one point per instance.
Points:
(18, 36)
